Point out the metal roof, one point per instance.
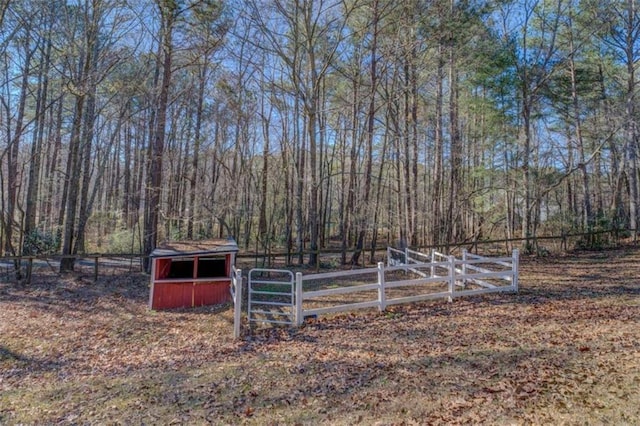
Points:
(192, 248)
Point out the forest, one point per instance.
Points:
(302, 125)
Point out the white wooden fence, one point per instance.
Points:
(408, 277)
(236, 296)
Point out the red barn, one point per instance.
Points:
(187, 274)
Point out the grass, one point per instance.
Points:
(564, 350)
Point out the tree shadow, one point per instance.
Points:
(76, 291)
(17, 365)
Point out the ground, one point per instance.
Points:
(564, 350)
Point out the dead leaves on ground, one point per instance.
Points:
(564, 350)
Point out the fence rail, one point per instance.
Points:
(455, 283)
(404, 280)
(25, 267)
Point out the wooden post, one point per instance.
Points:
(298, 299)
(29, 270)
(237, 301)
(464, 267)
(515, 268)
(382, 301)
(95, 269)
(433, 260)
(452, 277)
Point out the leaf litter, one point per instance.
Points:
(565, 349)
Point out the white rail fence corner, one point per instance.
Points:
(408, 277)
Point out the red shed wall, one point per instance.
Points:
(211, 293)
(172, 295)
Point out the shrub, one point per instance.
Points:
(39, 242)
(123, 241)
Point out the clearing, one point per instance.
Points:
(564, 350)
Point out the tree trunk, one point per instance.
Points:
(455, 188)
(263, 232)
(53, 183)
(371, 117)
(72, 187)
(154, 188)
(193, 182)
(89, 118)
(589, 221)
(33, 186)
(438, 170)
(82, 127)
(631, 132)
(13, 177)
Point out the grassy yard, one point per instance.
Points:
(564, 350)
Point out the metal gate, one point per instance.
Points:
(271, 296)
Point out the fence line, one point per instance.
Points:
(23, 267)
(459, 273)
(562, 240)
(449, 276)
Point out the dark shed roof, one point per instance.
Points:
(192, 248)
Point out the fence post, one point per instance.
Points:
(515, 268)
(95, 269)
(388, 256)
(237, 302)
(452, 277)
(464, 267)
(433, 260)
(298, 299)
(382, 300)
(406, 255)
(29, 270)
